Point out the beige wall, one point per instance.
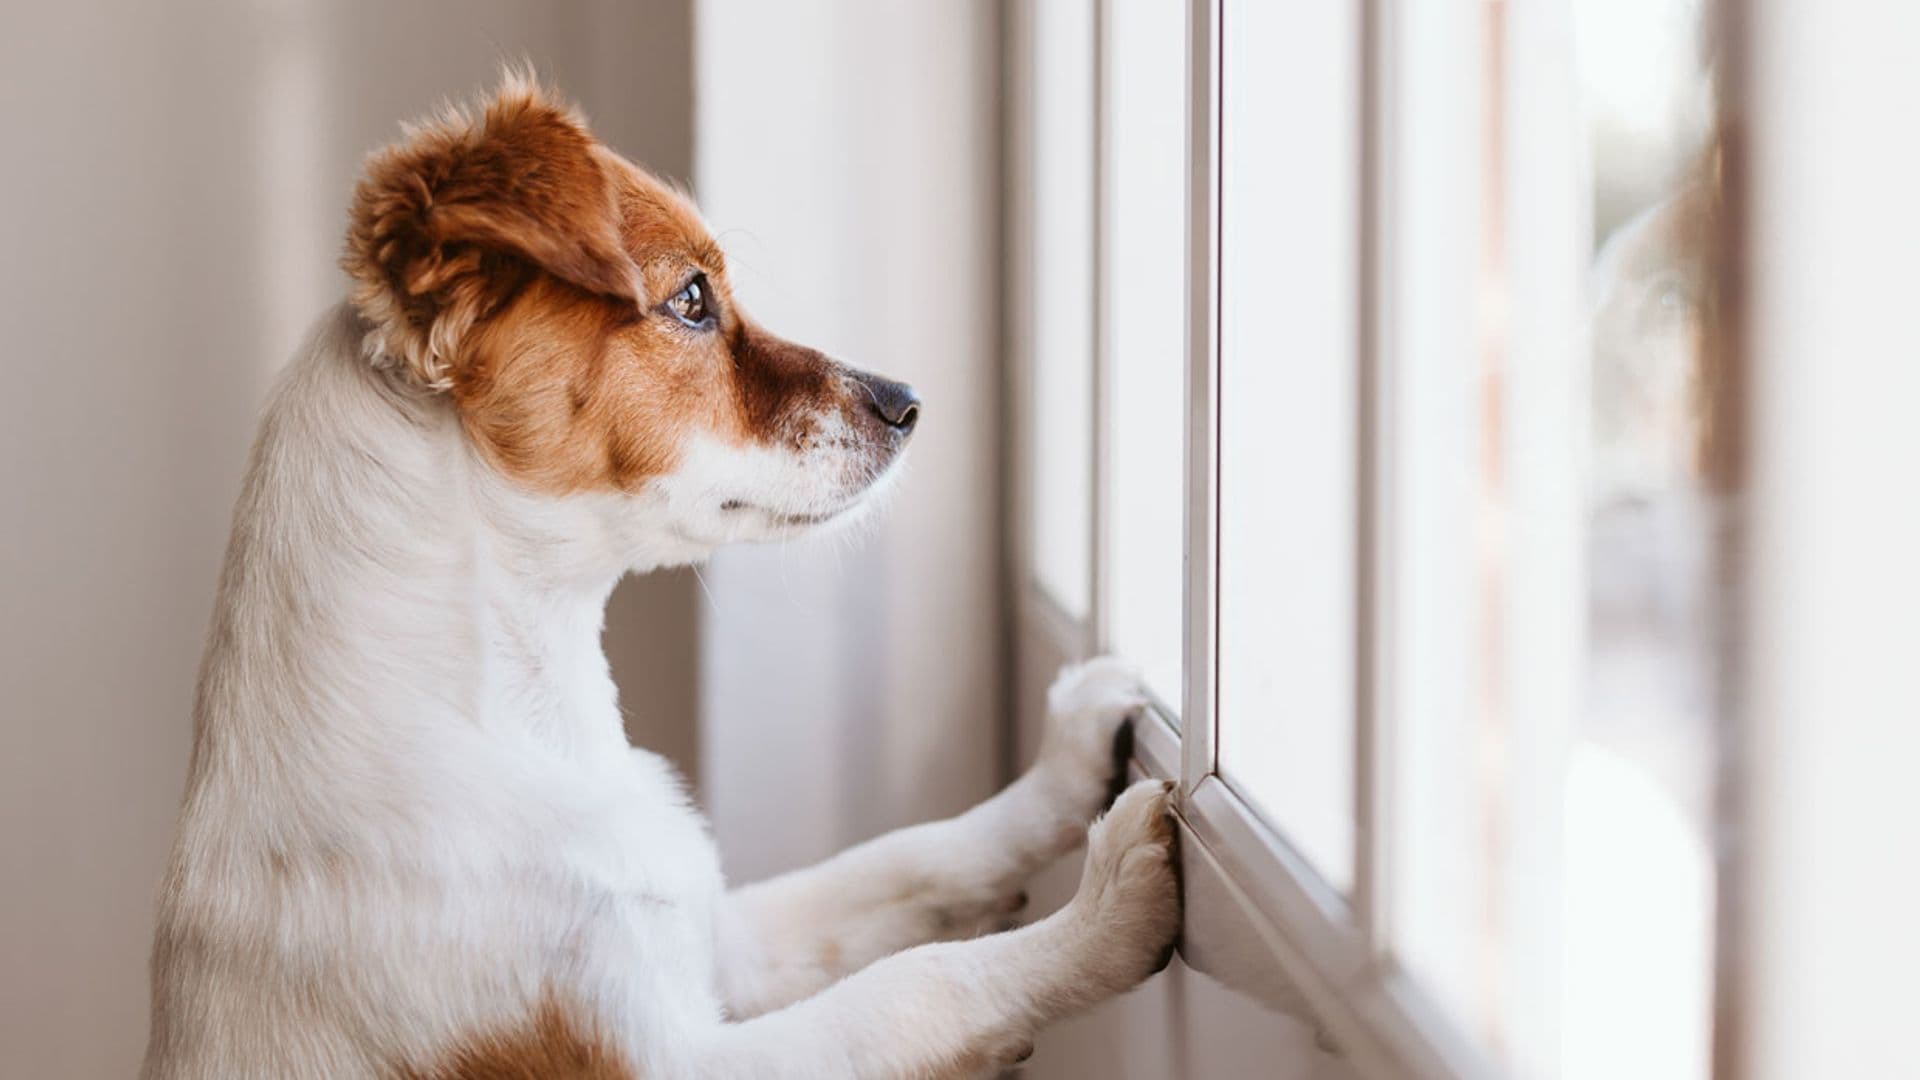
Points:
(172, 186)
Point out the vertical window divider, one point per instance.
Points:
(1373, 744)
(1200, 696)
(1544, 423)
(1098, 604)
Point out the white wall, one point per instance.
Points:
(172, 193)
(847, 157)
(1824, 905)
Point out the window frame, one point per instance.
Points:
(1321, 949)
(1329, 953)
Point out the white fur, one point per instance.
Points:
(412, 814)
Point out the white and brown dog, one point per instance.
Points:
(415, 842)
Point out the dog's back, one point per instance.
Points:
(368, 870)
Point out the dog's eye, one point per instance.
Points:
(689, 305)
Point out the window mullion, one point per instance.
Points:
(1101, 606)
(1203, 370)
(1372, 741)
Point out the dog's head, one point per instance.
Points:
(577, 314)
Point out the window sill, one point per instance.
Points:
(1261, 922)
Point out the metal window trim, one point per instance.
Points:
(1199, 663)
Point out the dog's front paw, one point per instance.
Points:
(1128, 904)
(1089, 737)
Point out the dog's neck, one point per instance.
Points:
(384, 582)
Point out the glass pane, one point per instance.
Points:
(1559, 474)
(1289, 233)
(1145, 335)
(1060, 411)
(1638, 801)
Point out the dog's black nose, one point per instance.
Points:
(893, 402)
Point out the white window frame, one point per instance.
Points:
(1322, 959)
(1327, 955)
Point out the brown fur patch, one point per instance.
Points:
(551, 1045)
(780, 383)
(509, 258)
(445, 225)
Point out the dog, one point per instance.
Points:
(415, 842)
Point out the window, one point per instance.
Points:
(1405, 418)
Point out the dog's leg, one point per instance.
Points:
(786, 938)
(969, 1008)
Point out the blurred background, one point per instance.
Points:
(1487, 423)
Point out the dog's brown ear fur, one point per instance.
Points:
(449, 222)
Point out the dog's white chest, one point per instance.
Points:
(637, 847)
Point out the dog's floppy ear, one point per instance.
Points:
(446, 223)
